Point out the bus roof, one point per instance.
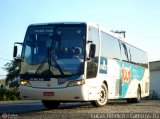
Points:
(52, 23)
(88, 23)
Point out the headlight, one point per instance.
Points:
(25, 83)
(76, 83)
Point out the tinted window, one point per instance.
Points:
(125, 52)
(110, 46)
(69, 42)
(92, 65)
(62, 47)
(133, 55)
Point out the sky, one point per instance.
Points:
(139, 18)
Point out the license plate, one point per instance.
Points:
(48, 93)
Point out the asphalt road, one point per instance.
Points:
(147, 109)
(20, 107)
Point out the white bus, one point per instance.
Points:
(79, 61)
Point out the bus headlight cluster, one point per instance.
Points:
(76, 83)
(25, 83)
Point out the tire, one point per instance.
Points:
(50, 104)
(129, 100)
(137, 99)
(103, 97)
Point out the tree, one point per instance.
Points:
(13, 70)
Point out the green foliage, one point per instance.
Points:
(9, 94)
(13, 70)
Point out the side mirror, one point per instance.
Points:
(92, 51)
(15, 51)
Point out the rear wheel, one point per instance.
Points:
(50, 104)
(103, 97)
(129, 100)
(137, 99)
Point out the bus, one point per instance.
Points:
(80, 62)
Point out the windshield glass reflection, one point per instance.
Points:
(63, 46)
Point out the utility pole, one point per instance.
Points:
(120, 32)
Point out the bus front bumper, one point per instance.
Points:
(75, 93)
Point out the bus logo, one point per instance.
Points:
(48, 85)
(126, 74)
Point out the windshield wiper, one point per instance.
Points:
(50, 58)
(41, 65)
(57, 65)
(43, 62)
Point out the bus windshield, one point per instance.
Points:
(61, 46)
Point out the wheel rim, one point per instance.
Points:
(103, 96)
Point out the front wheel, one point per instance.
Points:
(103, 97)
(50, 104)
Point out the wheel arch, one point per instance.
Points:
(105, 82)
(139, 87)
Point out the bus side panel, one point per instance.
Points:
(123, 78)
(144, 86)
(133, 76)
